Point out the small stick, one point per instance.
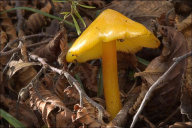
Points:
(152, 88)
(73, 82)
(24, 38)
(24, 90)
(19, 16)
(2, 54)
(51, 2)
(162, 123)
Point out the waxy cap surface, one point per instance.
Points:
(111, 25)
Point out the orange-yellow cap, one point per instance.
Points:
(111, 25)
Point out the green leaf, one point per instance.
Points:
(79, 16)
(86, 6)
(65, 13)
(144, 62)
(13, 121)
(76, 25)
(40, 12)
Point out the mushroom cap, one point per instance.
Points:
(111, 25)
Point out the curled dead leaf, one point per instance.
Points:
(36, 21)
(85, 118)
(186, 100)
(50, 107)
(52, 50)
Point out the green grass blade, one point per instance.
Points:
(144, 62)
(86, 6)
(79, 16)
(79, 80)
(76, 25)
(40, 12)
(65, 13)
(13, 121)
(100, 86)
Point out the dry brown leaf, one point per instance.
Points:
(3, 40)
(126, 60)
(88, 76)
(15, 66)
(141, 11)
(186, 102)
(185, 28)
(20, 74)
(96, 4)
(167, 93)
(182, 6)
(52, 50)
(36, 21)
(7, 25)
(181, 125)
(64, 49)
(167, 19)
(59, 87)
(52, 109)
(84, 117)
(186, 23)
(90, 109)
(26, 116)
(56, 84)
(10, 31)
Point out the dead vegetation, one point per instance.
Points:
(40, 88)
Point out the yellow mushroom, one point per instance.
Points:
(110, 32)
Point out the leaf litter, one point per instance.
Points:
(49, 99)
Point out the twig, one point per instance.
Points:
(167, 16)
(73, 82)
(12, 58)
(135, 83)
(147, 121)
(24, 38)
(23, 92)
(2, 54)
(123, 115)
(19, 16)
(153, 87)
(162, 123)
(51, 2)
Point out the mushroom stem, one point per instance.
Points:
(110, 78)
